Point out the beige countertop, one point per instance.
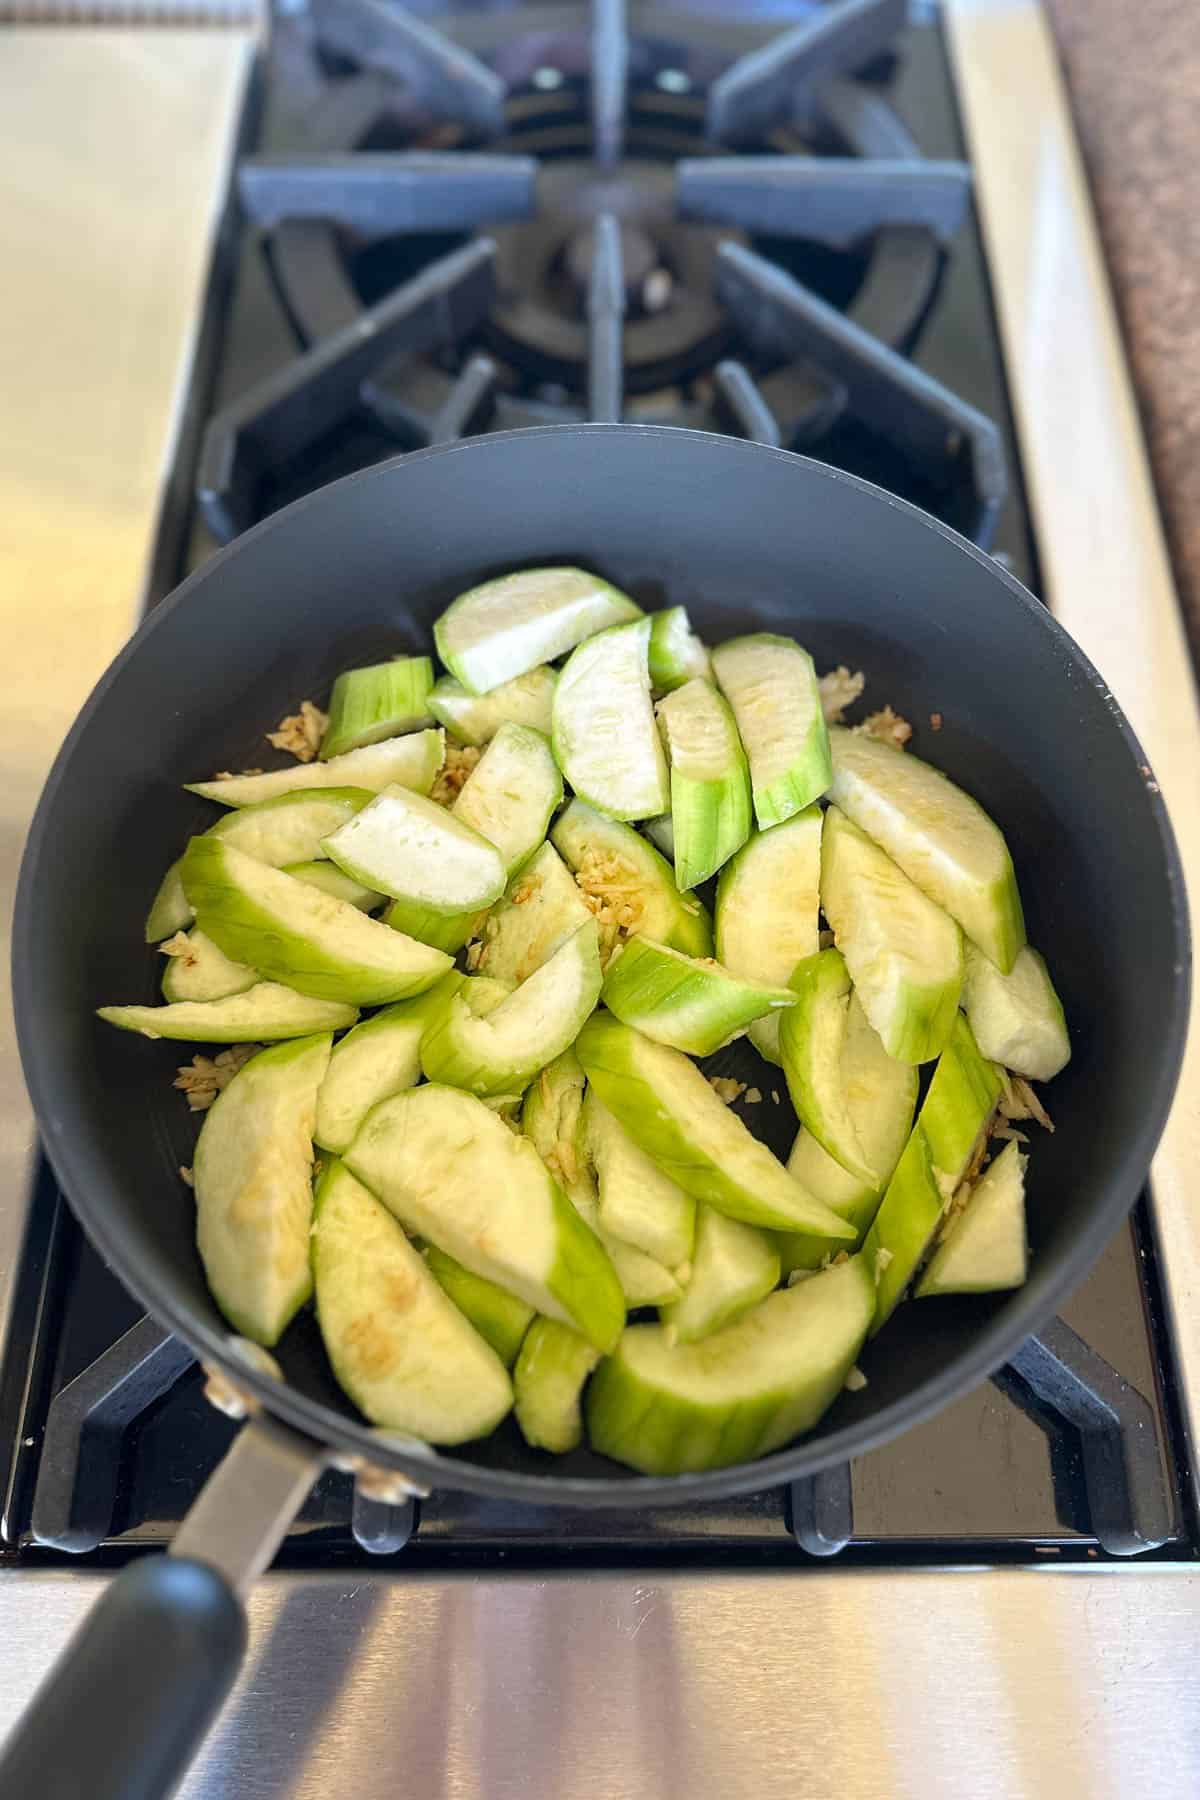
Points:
(1133, 71)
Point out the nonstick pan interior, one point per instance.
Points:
(747, 538)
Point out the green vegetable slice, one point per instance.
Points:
(266, 1011)
(676, 653)
(1017, 1018)
(812, 1041)
(505, 627)
(331, 880)
(673, 1409)
(692, 1005)
(383, 701)
(983, 1249)
(548, 1380)
(413, 849)
(512, 793)
(733, 1267)
(499, 1317)
(881, 1094)
(170, 909)
(711, 813)
(629, 884)
(398, 1345)
(766, 914)
(293, 933)
(541, 909)
(380, 1057)
(772, 687)
(202, 972)
(409, 762)
(500, 1053)
(252, 1178)
(904, 953)
(954, 1114)
(552, 1119)
(474, 719)
(668, 1108)
(605, 739)
(453, 1173)
(939, 836)
(638, 1203)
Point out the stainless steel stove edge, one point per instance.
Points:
(1106, 571)
(647, 1686)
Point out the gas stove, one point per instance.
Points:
(763, 220)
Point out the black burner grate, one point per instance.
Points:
(633, 270)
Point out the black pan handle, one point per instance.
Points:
(124, 1711)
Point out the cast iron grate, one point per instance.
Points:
(1081, 1403)
(549, 228)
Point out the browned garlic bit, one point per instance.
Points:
(1018, 1101)
(452, 776)
(612, 894)
(839, 689)
(887, 726)
(300, 733)
(180, 945)
(201, 1080)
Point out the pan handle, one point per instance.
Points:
(125, 1709)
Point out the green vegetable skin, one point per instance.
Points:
(676, 653)
(812, 1041)
(746, 1390)
(766, 915)
(983, 1249)
(409, 762)
(541, 909)
(605, 739)
(264, 1012)
(711, 812)
(512, 793)
(502, 1052)
(552, 1120)
(499, 1317)
(881, 1094)
(383, 701)
(668, 1108)
(939, 836)
(251, 1173)
(526, 700)
(595, 847)
(956, 1109)
(904, 953)
(547, 1383)
(506, 627)
(734, 1266)
(202, 972)
(693, 1006)
(772, 687)
(380, 1057)
(413, 849)
(454, 1174)
(398, 1345)
(638, 1203)
(1017, 1018)
(293, 933)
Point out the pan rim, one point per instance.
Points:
(995, 1343)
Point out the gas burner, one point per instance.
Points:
(585, 262)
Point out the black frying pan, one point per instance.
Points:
(748, 538)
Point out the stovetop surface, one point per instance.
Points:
(996, 1476)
